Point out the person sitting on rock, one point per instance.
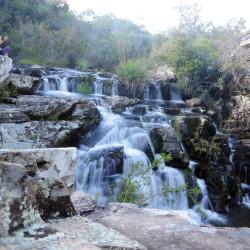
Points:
(4, 46)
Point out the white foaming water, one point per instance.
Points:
(175, 94)
(115, 87)
(153, 91)
(98, 84)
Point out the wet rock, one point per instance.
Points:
(119, 103)
(24, 84)
(131, 91)
(165, 141)
(139, 110)
(165, 90)
(83, 203)
(111, 158)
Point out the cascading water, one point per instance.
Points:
(98, 84)
(153, 91)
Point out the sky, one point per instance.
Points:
(159, 15)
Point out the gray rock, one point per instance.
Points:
(83, 203)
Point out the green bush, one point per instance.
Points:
(132, 70)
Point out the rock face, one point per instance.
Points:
(35, 184)
(165, 141)
(5, 67)
(37, 121)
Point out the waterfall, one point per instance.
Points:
(115, 87)
(98, 84)
(101, 177)
(152, 91)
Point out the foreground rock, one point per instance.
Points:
(159, 229)
(34, 185)
(38, 121)
(73, 233)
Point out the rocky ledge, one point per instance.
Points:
(44, 121)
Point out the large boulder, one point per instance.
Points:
(5, 67)
(35, 185)
(23, 84)
(165, 141)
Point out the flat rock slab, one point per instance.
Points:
(159, 229)
(76, 233)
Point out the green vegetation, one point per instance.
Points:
(201, 54)
(47, 32)
(132, 70)
(8, 91)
